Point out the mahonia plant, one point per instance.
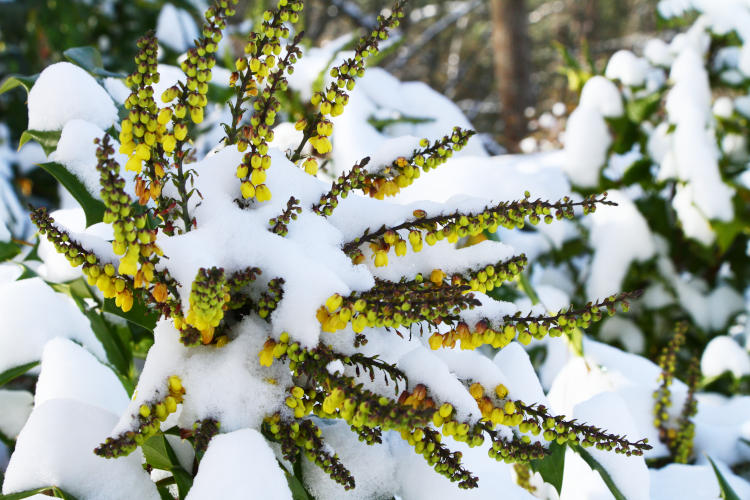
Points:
(304, 291)
(679, 438)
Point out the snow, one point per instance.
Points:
(657, 52)
(602, 95)
(255, 391)
(176, 29)
(64, 92)
(693, 481)
(625, 331)
(55, 448)
(586, 140)
(620, 236)
(723, 354)
(16, 407)
(55, 267)
(25, 331)
(417, 480)
(630, 474)
(236, 464)
(372, 466)
(71, 372)
(627, 67)
(77, 152)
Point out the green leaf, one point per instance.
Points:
(117, 352)
(295, 482)
(57, 492)
(551, 466)
(89, 59)
(592, 462)
(138, 314)
(184, 481)
(16, 372)
(93, 208)
(8, 250)
(641, 109)
(48, 139)
(528, 289)
(160, 455)
(156, 450)
(12, 81)
(725, 491)
(86, 57)
(726, 232)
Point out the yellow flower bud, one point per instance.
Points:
(248, 190)
(262, 193)
(164, 116)
(311, 166)
(180, 131)
(258, 176)
(168, 142)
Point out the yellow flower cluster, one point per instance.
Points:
(331, 101)
(503, 413)
(402, 172)
(150, 417)
(263, 67)
(208, 301)
(144, 127)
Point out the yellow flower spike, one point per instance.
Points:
(145, 411)
(509, 408)
(242, 171)
(247, 189)
(300, 125)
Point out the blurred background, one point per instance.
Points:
(501, 61)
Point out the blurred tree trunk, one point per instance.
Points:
(510, 45)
